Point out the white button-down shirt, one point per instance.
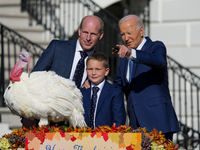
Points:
(133, 55)
(76, 59)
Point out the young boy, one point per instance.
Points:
(105, 106)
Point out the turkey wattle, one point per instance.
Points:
(43, 95)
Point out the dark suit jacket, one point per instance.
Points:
(148, 97)
(110, 108)
(58, 57)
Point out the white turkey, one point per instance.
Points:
(43, 95)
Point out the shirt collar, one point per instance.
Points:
(100, 85)
(79, 48)
(141, 44)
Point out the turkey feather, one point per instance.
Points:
(44, 95)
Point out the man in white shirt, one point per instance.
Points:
(63, 57)
(143, 77)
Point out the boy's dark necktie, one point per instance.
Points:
(78, 74)
(93, 105)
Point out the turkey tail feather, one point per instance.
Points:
(77, 119)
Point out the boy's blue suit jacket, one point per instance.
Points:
(110, 107)
(148, 97)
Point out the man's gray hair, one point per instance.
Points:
(129, 17)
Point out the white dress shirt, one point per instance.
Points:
(133, 55)
(100, 86)
(75, 62)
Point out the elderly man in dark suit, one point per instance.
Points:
(143, 77)
(64, 57)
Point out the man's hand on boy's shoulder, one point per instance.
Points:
(86, 84)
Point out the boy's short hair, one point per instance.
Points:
(99, 57)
